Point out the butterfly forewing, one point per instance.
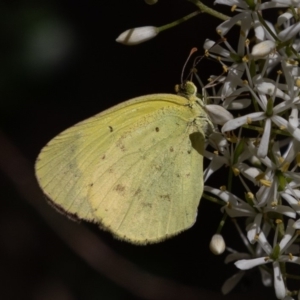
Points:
(136, 169)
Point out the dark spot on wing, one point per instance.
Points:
(143, 156)
(110, 129)
(188, 175)
(120, 145)
(103, 157)
(120, 188)
(91, 184)
(165, 197)
(138, 191)
(71, 166)
(171, 149)
(189, 151)
(156, 129)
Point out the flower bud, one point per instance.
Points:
(217, 244)
(135, 36)
(262, 49)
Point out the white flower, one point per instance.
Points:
(254, 229)
(247, 15)
(235, 72)
(275, 255)
(235, 207)
(276, 172)
(297, 224)
(254, 251)
(292, 196)
(224, 154)
(217, 141)
(218, 114)
(137, 35)
(266, 115)
(286, 3)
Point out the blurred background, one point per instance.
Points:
(60, 64)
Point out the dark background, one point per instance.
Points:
(59, 64)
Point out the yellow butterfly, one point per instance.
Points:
(135, 169)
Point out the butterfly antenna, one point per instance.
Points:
(184, 66)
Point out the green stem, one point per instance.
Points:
(222, 222)
(213, 199)
(266, 26)
(229, 181)
(259, 129)
(179, 21)
(292, 276)
(205, 9)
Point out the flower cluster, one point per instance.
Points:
(266, 164)
(259, 141)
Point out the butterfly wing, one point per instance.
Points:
(136, 169)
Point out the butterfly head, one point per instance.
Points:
(186, 89)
